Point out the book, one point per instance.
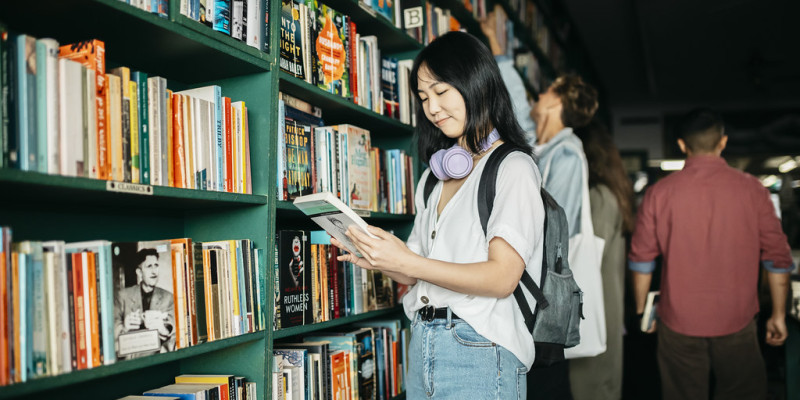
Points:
(186, 391)
(649, 315)
(294, 259)
(141, 267)
(333, 216)
(331, 52)
(291, 41)
(359, 191)
(225, 382)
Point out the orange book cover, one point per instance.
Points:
(177, 282)
(17, 368)
(94, 314)
(207, 291)
(4, 365)
(92, 54)
(395, 386)
(80, 315)
(170, 143)
(229, 179)
(338, 376)
(177, 133)
(190, 314)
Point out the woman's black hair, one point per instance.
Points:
(462, 61)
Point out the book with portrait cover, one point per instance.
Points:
(144, 307)
(294, 269)
(333, 215)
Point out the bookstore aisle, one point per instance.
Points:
(151, 152)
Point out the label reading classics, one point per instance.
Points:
(124, 187)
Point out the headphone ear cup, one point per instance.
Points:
(457, 162)
(436, 165)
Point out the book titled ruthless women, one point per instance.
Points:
(294, 269)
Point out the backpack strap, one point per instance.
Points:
(430, 182)
(486, 193)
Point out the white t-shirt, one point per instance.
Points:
(517, 217)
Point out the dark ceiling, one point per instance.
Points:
(744, 52)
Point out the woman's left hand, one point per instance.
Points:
(386, 253)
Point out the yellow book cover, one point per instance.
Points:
(115, 126)
(226, 383)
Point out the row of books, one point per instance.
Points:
(367, 361)
(439, 21)
(66, 115)
(322, 46)
(73, 306)
(314, 158)
(202, 387)
(158, 7)
(312, 286)
(239, 19)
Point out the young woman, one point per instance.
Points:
(468, 337)
(611, 199)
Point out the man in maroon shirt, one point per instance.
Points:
(713, 225)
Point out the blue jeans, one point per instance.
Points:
(449, 360)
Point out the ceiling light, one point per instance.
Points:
(787, 166)
(769, 180)
(672, 165)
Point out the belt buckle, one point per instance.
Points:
(427, 313)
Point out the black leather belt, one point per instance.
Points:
(429, 313)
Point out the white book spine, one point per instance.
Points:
(255, 18)
(90, 122)
(52, 70)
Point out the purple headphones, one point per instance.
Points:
(456, 162)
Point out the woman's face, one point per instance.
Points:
(442, 103)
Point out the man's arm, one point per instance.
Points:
(641, 285)
(776, 324)
(776, 258)
(644, 250)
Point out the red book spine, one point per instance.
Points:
(80, 314)
(229, 157)
(333, 276)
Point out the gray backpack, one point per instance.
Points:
(555, 322)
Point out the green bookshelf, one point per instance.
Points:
(189, 54)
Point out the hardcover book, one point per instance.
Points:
(294, 259)
(298, 156)
(649, 315)
(144, 308)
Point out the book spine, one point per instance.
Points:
(222, 16)
(38, 314)
(106, 304)
(94, 309)
(80, 314)
(136, 167)
(40, 137)
(73, 338)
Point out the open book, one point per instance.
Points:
(649, 314)
(332, 215)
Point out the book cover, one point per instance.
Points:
(291, 56)
(331, 52)
(297, 141)
(339, 381)
(144, 310)
(332, 215)
(92, 54)
(222, 16)
(25, 95)
(225, 382)
(47, 105)
(384, 8)
(358, 167)
(124, 75)
(390, 88)
(296, 358)
(649, 315)
(294, 258)
(144, 122)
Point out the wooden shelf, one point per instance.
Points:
(34, 386)
(338, 110)
(27, 186)
(305, 329)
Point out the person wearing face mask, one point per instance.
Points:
(468, 336)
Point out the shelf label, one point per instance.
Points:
(413, 17)
(124, 187)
